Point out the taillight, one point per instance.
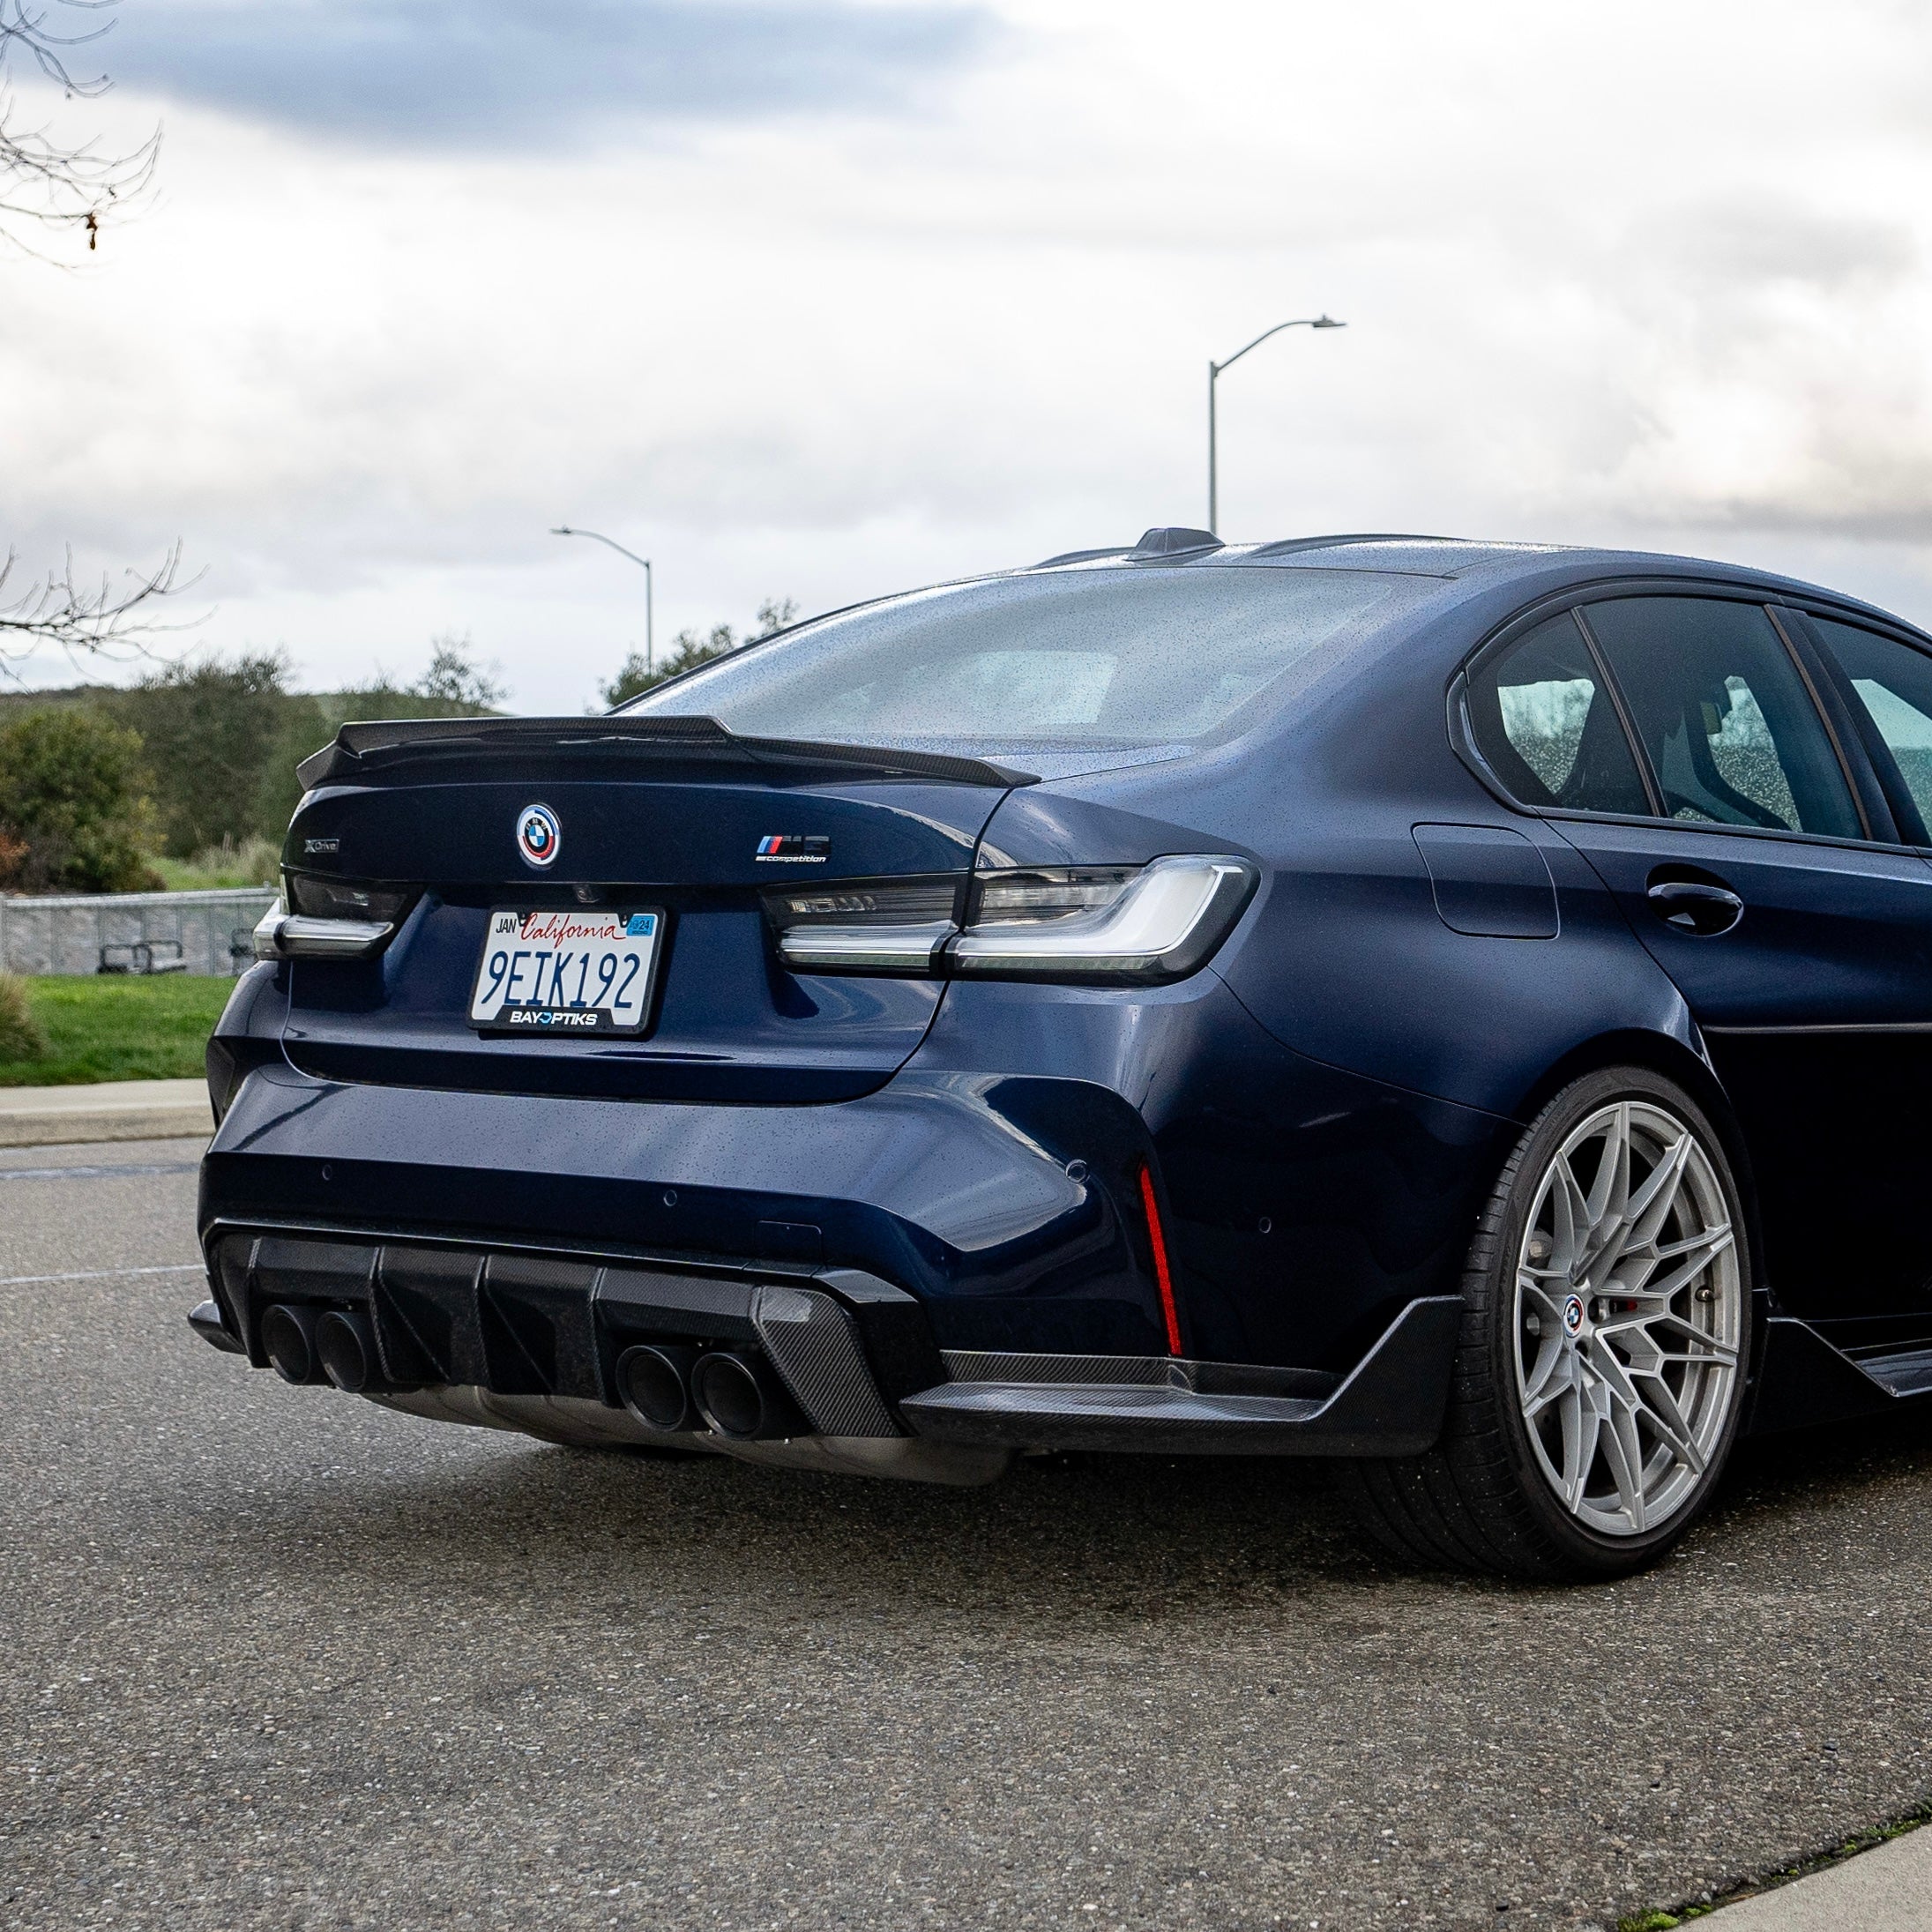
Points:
(1138, 925)
(333, 919)
(895, 926)
(319, 898)
(1158, 921)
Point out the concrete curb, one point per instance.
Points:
(1885, 1889)
(48, 1116)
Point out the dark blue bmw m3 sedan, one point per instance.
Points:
(1459, 1010)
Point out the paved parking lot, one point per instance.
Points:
(276, 1657)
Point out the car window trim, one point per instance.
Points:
(1654, 788)
(1825, 700)
(1890, 780)
(1777, 833)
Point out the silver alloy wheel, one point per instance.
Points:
(1628, 1311)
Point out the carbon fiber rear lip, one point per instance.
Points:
(1391, 1404)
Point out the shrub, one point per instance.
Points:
(74, 812)
(252, 862)
(20, 1035)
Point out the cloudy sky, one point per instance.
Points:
(823, 298)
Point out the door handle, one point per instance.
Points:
(1692, 906)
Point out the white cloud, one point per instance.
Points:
(488, 75)
(1660, 276)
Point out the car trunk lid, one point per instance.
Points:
(676, 816)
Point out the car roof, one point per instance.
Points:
(1536, 569)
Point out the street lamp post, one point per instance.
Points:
(1213, 376)
(564, 530)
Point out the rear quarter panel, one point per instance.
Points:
(1343, 956)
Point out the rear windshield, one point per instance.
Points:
(1089, 659)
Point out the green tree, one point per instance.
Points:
(305, 726)
(210, 728)
(455, 685)
(691, 648)
(455, 679)
(74, 814)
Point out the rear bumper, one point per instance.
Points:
(1009, 1239)
(998, 1176)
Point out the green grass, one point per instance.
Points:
(117, 1027)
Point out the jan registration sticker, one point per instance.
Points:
(579, 972)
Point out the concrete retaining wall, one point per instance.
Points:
(67, 935)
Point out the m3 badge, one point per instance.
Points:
(793, 849)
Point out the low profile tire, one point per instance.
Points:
(1600, 1372)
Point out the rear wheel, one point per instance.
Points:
(1600, 1369)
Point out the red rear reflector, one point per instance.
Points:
(1163, 1278)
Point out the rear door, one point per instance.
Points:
(1774, 888)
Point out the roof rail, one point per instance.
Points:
(1079, 556)
(1288, 546)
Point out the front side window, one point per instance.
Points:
(1731, 731)
(1894, 684)
(1548, 728)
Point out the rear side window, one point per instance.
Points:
(1548, 730)
(1894, 684)
(1732, 734)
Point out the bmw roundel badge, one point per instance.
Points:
(539, 836)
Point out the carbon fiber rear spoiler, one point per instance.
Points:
(362, 750)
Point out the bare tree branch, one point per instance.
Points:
(43, 183)
(79, 618)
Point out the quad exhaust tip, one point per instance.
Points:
(306, 1346)
(288, 1340)
(668, 1386)
(742, 1397)
(345, 1347)
(653, 1382)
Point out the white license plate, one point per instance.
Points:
(579, 972)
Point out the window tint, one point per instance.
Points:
(1547, 728)
(1894, 683)
(1731, 731)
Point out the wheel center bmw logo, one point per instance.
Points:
(1573, 1316)
(539, 836)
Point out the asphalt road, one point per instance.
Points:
(276, 1657)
